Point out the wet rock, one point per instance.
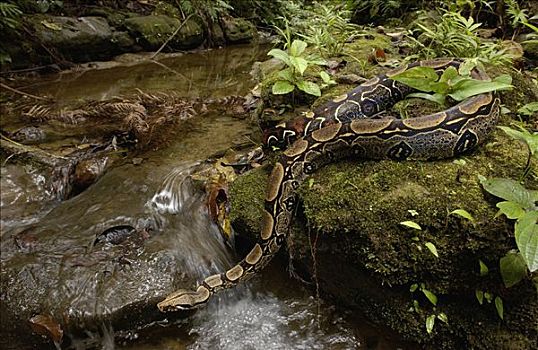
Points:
(238, 30)
(87, 171)
(79, 39)
(261, 70)
(90, 262)
(153, 31)
(29, 135)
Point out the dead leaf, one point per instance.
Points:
(47, 326)
(51, 25)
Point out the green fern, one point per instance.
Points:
(10, 16)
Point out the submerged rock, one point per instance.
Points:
(98, 260)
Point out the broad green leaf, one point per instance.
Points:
(309, 87)
(512, 210)
(504, 78)
(281, 55)
(499, 306)
(525, 136)
(466, 67)
(282, 87)
(420, 78)
(472, 87)
(325, 77)
(479, 296)
(488, 296)
(286, 75)
(413, 287)
(443, 317)
(510, 190)
(437, 98)
(431, 297)
(430, 322)
(526, 232)
(483, 268)
(463, 213)
(513, 268)
(297, 47)
(431, 247)
(411, 224)
(449, 74)
(299, 63)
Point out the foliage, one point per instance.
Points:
(208, 10)
(293, 75)
(528, 109)
(324, 27)
(364, 11)
(10, 16)
(49, 5)
(453, 35)
(450, 83)
(432, 298)
(10, 20)
(519, 16)
(488, 296)
(329, 30)
(519, 204)
(268, 13)
(429, 245)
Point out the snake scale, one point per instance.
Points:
(349, 125)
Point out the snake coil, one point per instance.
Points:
(349, 125)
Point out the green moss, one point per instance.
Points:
(356, 207)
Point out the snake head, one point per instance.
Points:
(184, 300)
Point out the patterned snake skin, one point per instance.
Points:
(349, 125)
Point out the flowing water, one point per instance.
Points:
(273, 311)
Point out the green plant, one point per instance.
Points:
(527, 138)
(10, 21)
(49, 5)
(457, 85)
(488, 296)
(429, 245)
(432, 298)
(329, 30)
(10, 16)
(528, 109)
(519, 204)
(293, 75)
(453, 35)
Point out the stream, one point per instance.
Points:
(63, 257)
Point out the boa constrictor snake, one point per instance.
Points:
(348, 126)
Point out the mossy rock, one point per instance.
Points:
(355, 209)
(153, 31)
(79, 39)
(238, 30)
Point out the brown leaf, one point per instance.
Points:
(47, 326)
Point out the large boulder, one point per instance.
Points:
(153, 31)
(96, 261)
(238, 30)
(79, 39)
(348, 235)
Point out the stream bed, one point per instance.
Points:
(100, 260)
